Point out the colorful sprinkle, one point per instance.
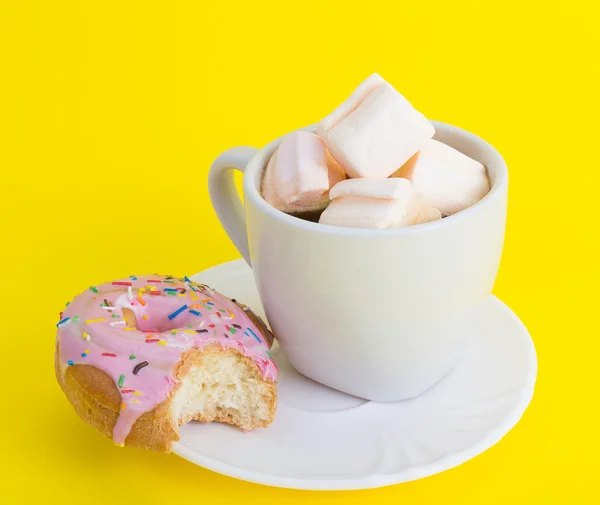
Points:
(125, 391)
(156, 292)
(98, 320)
(75, 319)
(121, 283)
(170, 289)
(137, 393)
(269, 354)
(130, 293)
(123, 405)
(139, 366)
(116, 323)
(133, 277)
(94, 289)
(84, 336)
(153, 280)
(254, 334)
(63, 321)
(186, 278)
(150, 340)
(132, 356)
(196, 313)
(121, 380)
(177, 312)
(201, 331)
(162, 342)
(237, 326)
(67, 304)
(109, 354)
(141, 300)
(145, 317)
(129, 328)
(70, 362)
(150, 331)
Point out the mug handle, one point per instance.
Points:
(225, 198)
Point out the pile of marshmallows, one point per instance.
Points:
(373, 164)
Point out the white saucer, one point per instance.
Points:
(324, 439)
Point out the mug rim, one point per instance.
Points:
(256, 165)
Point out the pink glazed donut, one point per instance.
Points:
(139, 357)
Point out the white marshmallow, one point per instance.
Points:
(372, 188)
(351, 103)
(375, 130)
(377, 203)
(448, 179)
(300, 174)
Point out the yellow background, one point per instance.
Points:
(110, 115)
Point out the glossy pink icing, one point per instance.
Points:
(90, 333)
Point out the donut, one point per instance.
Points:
(139, 357)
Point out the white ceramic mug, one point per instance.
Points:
(379, 314)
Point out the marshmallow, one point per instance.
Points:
(300, 174)
(375, 130)
(372, 188)
(377, 203)
(448, 179)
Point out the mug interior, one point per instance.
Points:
(461, 140)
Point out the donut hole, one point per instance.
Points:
(157, 314)
(129, 317)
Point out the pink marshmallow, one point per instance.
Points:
(375, 130)
(377, 203)
(448, 179)
(300, 174)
